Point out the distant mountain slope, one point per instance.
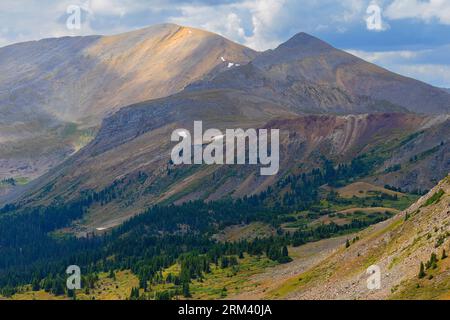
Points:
(54, 90)
(311, 76)
(398, 246)
(131, 153)
(83, 78)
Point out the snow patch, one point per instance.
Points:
(230, 64)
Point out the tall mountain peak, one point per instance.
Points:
(299, 47)
(304, 40)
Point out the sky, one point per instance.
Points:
(411, 37)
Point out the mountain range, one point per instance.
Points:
(310, 76)
(287, 88)
(85, 148)
(54, 93)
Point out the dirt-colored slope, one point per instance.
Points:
(304, 257)
(83, 78)
(363, 189)
(397, 246)
(49, 85)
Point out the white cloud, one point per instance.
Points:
(260, 24)
(411, 64)
(264, 15)
(3, 42)
(418, 9)
(352, 10)
(223, 20)
(436, 74)
(264, 24)
(227, 20)
(385, 56)
(121, 7)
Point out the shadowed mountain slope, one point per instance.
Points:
(311, 76)
(131, 153)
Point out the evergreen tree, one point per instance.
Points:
(112, 274)
(72, 294)
(186, 290)
(223, 293)
(422, 273)
(285, 252)
(58, 286)
(432, 263)
(143, 284)
(35, 284)
(134, 294)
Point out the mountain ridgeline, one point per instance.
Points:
(310, 76)
(54, 93)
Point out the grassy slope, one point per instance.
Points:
(221, 283)
(105, 289)
(397, 246)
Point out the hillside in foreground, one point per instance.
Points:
(398, 246)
